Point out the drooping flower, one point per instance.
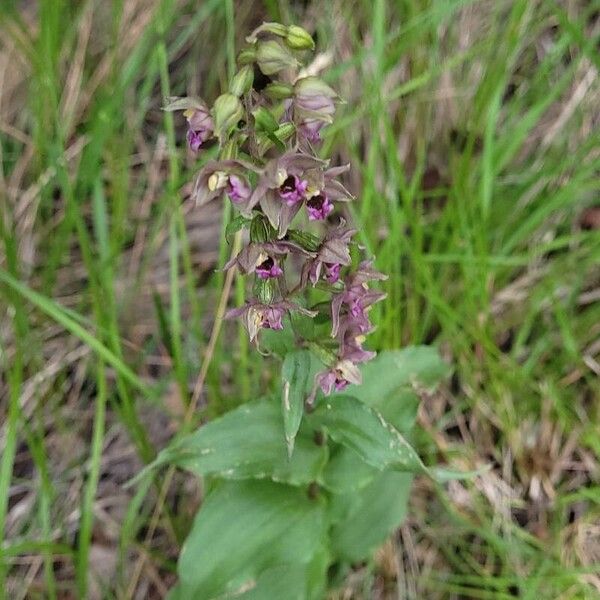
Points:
(256, 316)
(282, 186)
(333, 253)
(225, 176)
(264, 258)
(338, 377)
(313, 107)
(355, 301)
(201, 126)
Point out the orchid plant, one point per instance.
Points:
(315, 476)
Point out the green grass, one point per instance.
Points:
(473, 134)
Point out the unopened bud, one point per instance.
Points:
(285, 131)
(242, 81)
(299, 39)
(264, 290)
(227, 112)
(265, 29)
(272, 57)
(260, 229)
(246, 56)
(313, 91)
(278, 91)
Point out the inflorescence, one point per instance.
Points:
(269, 169)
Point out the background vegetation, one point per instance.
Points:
(472, 126)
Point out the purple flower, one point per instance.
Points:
(256, 316)
(293, 189)
(201, 127)
(238, 189)
(289, 172)
(330, 380)
(225, 176)
(268, 269)
(262, 258)
(332, 272)
(313, 107)
(338, 377)
(319, 207)
(331, 256)
(351, 348)
(350, 307)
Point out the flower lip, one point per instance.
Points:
(237, 189)
(332, 272)
(293, 189)
(319, 207)
(268, 269)
(201, 127)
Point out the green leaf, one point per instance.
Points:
(388, 382)
(346, 471)
(279, 341)
(363, 520)
(247, 443)
(265, 121)
(244, 528)
(295, 374)
(364, 430)
(282, 581)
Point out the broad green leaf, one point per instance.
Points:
(346, 471)
(247, 442)
(295, 374)
(388, 382)
(361, 428)
(282, 581)
(244, 528)
(279, 342)
(363, 520)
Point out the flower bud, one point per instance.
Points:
(260, 230)
(227, 112)
(285, 131)
(246, 56)
(242, 81)
(272, 57)
(278, 91)
(265, 29)
(299, 39)
(264, 290)
(313, 94)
